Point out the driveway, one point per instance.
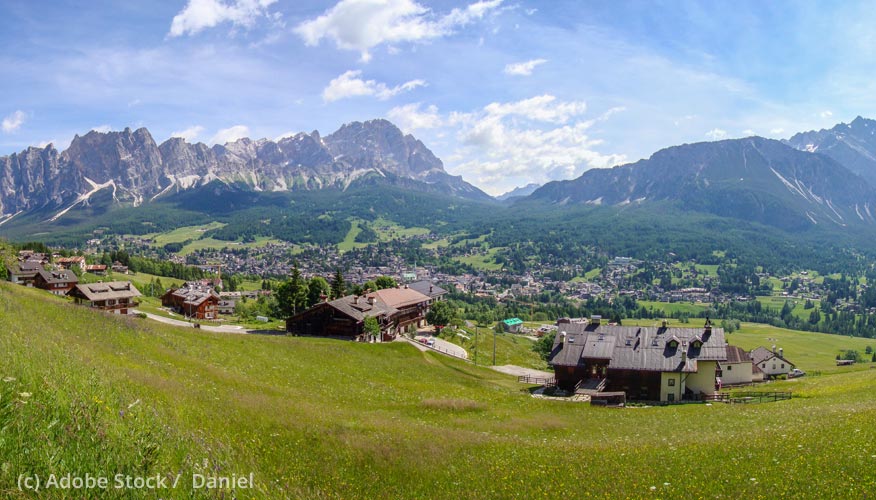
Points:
(186, 324)
(443, 346)
(519, 371)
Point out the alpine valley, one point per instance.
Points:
(308, 188)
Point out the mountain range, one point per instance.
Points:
(137, 170)
(822, 178)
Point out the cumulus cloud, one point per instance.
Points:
(523, 68)
(350, 84)
(201, 14)
(505, 144)
(230, 134)
(361, 25)
(716, 134)
(777, 131)
(410, 117)
(189, 134)
(13, 121)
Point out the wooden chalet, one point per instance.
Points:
(56, 282)
(426, 287)
(115, 296)
(98, 269)
(120, 268)
(24, 273)
(70, 262)
(194, 300)
(394, 308)
(646, 363)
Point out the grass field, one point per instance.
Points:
(181, 234)
(349, 242)
(777, 303)
(672, 307)
(482, 262)
(511, 349)
(316, 418)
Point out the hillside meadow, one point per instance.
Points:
(81, 392)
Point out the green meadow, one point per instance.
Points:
(82, 392)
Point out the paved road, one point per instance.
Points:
(176, 322)
(519, 370)
(444, 346)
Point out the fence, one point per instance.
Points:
(526, 379)
(758, 397)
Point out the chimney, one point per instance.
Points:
(664, 323)
(781, 352)
(595, 319)
(708, 327)
(774, 348)
(371, 300)
(356, 300)
(430, 288)
(562, 338)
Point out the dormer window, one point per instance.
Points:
(697, 343)
(672, 344)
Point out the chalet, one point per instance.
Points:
(114, 296)
(646, 363)
(98, 269)
(738, 367)
(771, 362)
(24, 273)
(434, 292)
(70, 262)
(56, 282)
(120, 268)
(394, 308)
(194, 300)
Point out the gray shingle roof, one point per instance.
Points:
(104, 291)
(637, 348)
(427, 288)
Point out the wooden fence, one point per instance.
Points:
(547, 382)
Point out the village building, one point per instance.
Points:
(120, 268)
(646, 363)
(115, 297)
(771, 362)
(426, 287)
(737, 368)
(70, 262)
(57, 282)
(512, 325)
(193, 300)
(24, 273)
(395, 310)
(98, 269)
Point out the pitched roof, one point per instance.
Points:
(762, 354)
(62, 276)
(104, 291)
(426, 287)
(360, 308)
(636, 348)
(399, 297)
(736, 354)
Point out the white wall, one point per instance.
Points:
(677, 389)
(736, 373)
(775, 366)
(704, 378)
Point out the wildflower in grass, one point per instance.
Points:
(24, 395)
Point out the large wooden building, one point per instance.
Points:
(56, 282)
(115, 296)
(193, 300)
(646, 363)
(395, 309)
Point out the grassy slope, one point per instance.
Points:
(321, 418)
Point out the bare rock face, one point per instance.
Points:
(138, 170)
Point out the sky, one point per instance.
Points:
(505, 92)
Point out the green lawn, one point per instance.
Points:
(315, 418)
(808, 350)
(181, 234)
(671, 307)
(776, 302)
(388, 230)
(511, 349)
(349, 242)
(483, 262)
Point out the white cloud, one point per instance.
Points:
(826, 113)
(201, 14)
(189, 134)
(103, 129)
(777, 131)
(523, 68)
(13, 121)
(505, 144)
(230, 134)
(350, 85)
(716, 134)
(361, 25)
(409, 117)
(748, 132)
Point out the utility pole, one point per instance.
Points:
(476, 345)
(494, 347)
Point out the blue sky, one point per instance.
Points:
(505, 92)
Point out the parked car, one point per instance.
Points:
(796, 372)
(431, 343)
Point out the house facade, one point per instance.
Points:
(71, 262)
(24, 273)
(771, 362)
(646, 363)
(56, 282)
(395, 309)
(738, 368)
(115, 297)
(193, 300)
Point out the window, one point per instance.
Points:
(774, 366)
(763, 365)
(671, 382)
(670, 397)
(729, 367)
(783, 365)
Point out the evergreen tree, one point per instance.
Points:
(316, 287)
(338, 287)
